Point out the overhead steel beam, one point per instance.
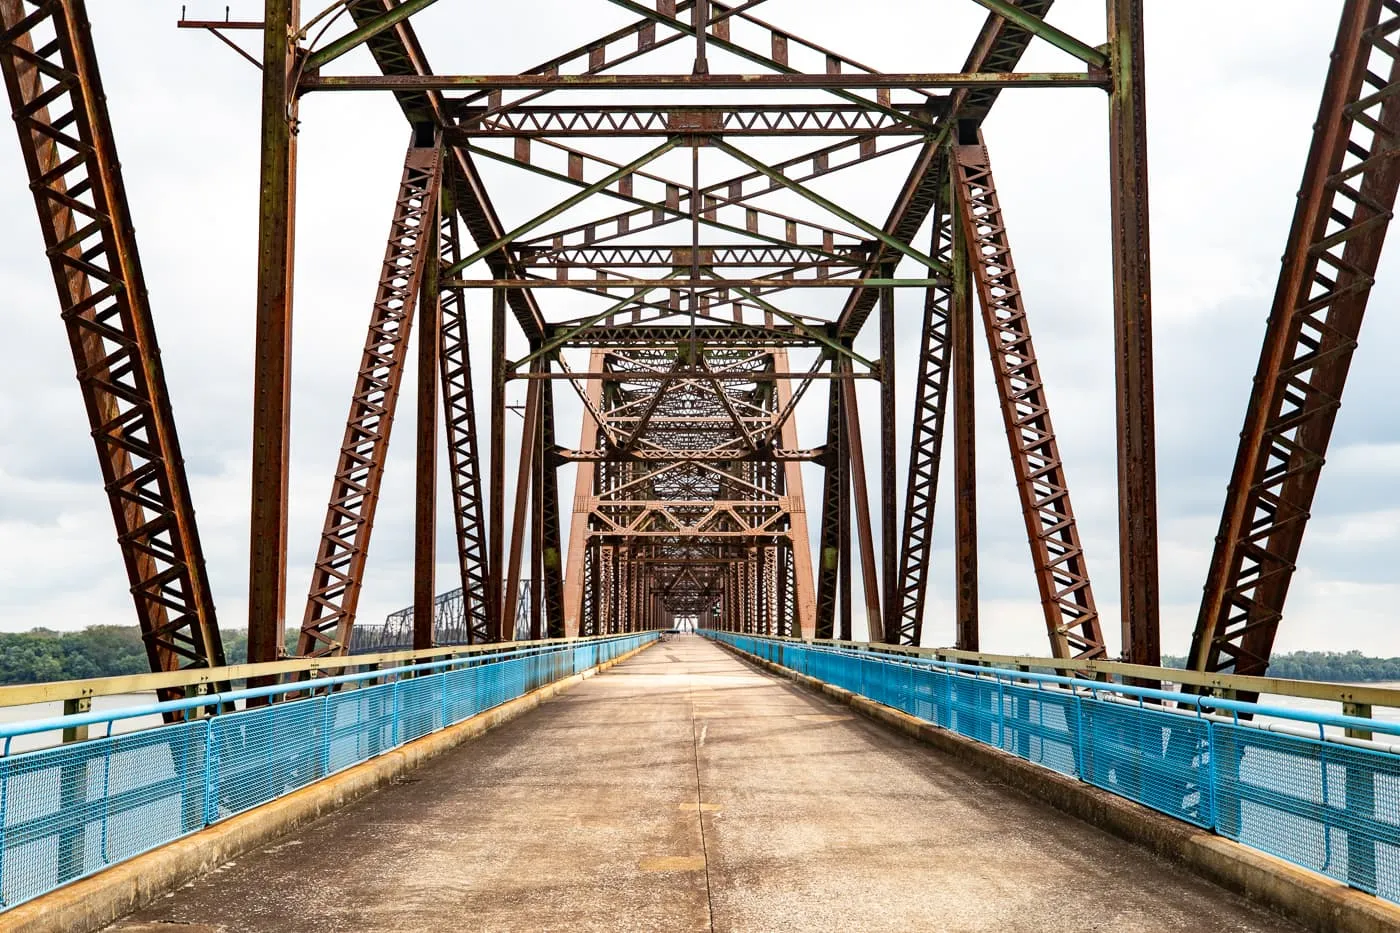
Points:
(643, 82)
(785, 120)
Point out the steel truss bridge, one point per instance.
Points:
(722, 288)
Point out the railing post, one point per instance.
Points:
(210, 758)
(327, 727)
(1361, 807)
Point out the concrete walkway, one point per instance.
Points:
(684, 790)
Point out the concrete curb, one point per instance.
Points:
(1316, 902)
(92, 903)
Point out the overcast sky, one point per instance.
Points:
(1230, 112)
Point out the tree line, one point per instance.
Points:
(41, 654)
(1343, 667)
(112, 650)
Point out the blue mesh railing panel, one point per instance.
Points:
(69, 811)
(1322, 804)
(73, 810)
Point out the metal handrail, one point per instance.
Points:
(27, 694)
(1352, 694)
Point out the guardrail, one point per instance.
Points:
(1331, 805)
(1354, 699)
(72, 810)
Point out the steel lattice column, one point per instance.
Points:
(340, 559)
(65, 135)
(1339, 226)
(1065, 592)
(463, 445)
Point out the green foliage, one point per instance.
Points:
(1329, 666)
(41, 655)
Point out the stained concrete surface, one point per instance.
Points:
(685, 790)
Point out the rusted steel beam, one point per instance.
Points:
(649, 82)
(577, 575)
(999, 47)
(529, 438)
(547, 545)
(926, 444)
(426, 417)
(831, 542)
(339, 570)
(677, 257)
(865, 536)
(497, 493)
(1066, 594)
(1339, 226)
(272, 340)
(464, 453)
(601, 282)
(961, 324)
(1139, 601)
(65, 134)
(396, 51)
(889, 519)
(785, 120)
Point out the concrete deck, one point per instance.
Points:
(685, 790)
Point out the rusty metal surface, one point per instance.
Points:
(340, 559)
(926, 445)
(65, 134)
(1343, 212)
(463, 444)
(1066, 595)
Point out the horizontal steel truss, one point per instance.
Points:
(678, 258)
(1344, 209)
(644, 82)
(55, 90)
(786, 120)
(339, 569)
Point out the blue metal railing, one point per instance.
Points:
(1328, 805)
(73, 810)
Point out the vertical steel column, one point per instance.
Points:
(803, 606)
(425, 498)
(585, 479)
(960, 328)
(860, 488)
(497, 561)
(889, 537)
(536, 533)
(272, 341)
(551, 559)
(831, 542)
(528, 437)
(1132, 332)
